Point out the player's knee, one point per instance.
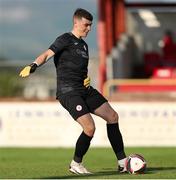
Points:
(114, 118)
(90, 130)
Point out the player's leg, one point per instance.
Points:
(99, 106)
(84, 139)
(80, 112)
(82, 144)
(106, 112)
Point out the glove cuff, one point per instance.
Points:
(33, 67)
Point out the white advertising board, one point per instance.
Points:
(48, 124)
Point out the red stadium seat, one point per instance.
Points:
(152, 60)
(164, 73)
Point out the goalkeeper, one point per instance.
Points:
(74, 92)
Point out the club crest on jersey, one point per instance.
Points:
(82, 53)
(76, 43)
(78, 107)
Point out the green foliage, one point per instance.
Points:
(10, 84)
(53, 163)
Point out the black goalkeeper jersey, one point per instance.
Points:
(71, 62)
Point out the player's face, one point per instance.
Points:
(83, 26)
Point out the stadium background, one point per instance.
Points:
(127, 64)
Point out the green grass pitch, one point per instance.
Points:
(52, 163)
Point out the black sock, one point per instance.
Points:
(82, 145)
(116, 140)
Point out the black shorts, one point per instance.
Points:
(78, 103)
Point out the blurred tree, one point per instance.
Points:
(10, 86)
(2, 58)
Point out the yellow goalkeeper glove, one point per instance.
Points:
(87, 82)
(28, 69)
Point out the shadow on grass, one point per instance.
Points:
(95, 174)
(150, 170)
(153, 170)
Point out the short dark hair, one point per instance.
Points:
(79, 13)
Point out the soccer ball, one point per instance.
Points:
(135, 164)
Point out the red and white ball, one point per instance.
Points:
(136, 164)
